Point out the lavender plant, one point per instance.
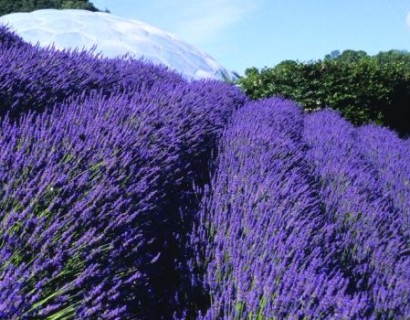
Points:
(262, 231)
(389, 154)
(127, 192)
(370, 235)
(90, 200)
(9, 39)
(32, 78)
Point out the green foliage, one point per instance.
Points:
(10, 6)
(362, 88)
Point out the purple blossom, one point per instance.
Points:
(127, 192)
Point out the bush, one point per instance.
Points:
(33, 78)
(363, 89)
(302, 221)
(97, 165)
(10, 6)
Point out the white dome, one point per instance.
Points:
(114, 36)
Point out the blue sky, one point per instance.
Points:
(256, 33)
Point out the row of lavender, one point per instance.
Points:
(32, 78)
(108, 210)
(97, 163)
(306, 217)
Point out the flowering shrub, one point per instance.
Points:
(269, 237)
(371, 236)
(298, 222)
(34, 78)
(385, 151)
(9, 39)
(127, 192)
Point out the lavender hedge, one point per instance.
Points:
(371, 237)
(127, 192)
(296, 223)
(9, 39)
(91, 201)
(385, 151)
(265, 232)
(32, 78)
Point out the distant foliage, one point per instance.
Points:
(128, 192)
(362, 88)
(10, 6)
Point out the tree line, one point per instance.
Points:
(361, 87)
(10, 6)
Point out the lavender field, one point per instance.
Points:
(129, 192)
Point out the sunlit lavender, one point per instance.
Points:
(129, 192)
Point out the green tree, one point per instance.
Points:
(362, 88)
(348, 56)
(10, 6)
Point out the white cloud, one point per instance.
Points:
(408, 19)
(203, 20)
(202, 23)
